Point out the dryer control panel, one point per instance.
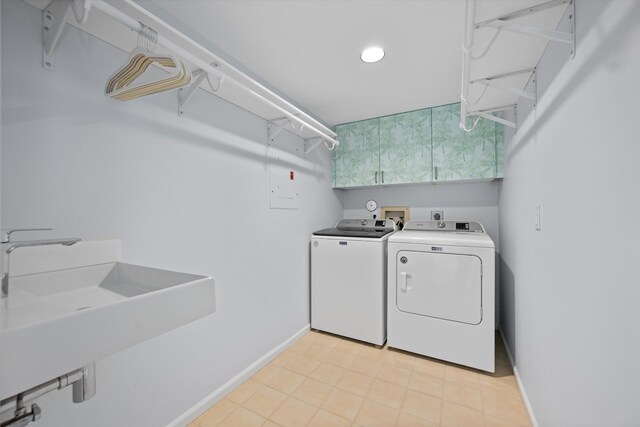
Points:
(455, 226)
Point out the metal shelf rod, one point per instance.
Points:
(466, 60)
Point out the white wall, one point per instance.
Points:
(189, 194)
(570, 291)
(1, 103)
(460, 201)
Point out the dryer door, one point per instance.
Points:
(441, 285)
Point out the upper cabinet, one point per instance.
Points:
(415, 147)
(405, 148)
(460, 155)
(499, 150)
(357, 158)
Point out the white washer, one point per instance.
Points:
(441, 277)
(348, 279)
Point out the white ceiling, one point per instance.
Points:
(310, 49)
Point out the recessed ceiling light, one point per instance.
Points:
(372, 54)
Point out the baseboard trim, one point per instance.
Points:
(519, 381)
(200, 407)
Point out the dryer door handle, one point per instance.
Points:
(404, 280)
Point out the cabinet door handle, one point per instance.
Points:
(382, 176)
(376, 177)
(435, 173)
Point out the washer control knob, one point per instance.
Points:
(363, 222)
(441, 224)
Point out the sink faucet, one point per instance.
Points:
(24, 244)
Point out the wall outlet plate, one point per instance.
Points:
(437, 215)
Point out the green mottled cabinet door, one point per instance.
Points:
(460, 155)
(499, 150)
(405, 147)
(357, 158)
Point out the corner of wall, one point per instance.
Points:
(1, 123)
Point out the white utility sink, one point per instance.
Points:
(58, 321)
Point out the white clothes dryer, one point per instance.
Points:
(441, 290)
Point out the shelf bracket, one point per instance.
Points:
(220, 81)
(275, 126)
(315, 143)
(495, 119)
(81, 9)
(281, 121)
(572, 18)
(185, 94)
(53, 19)
(486, 114)
(534, 81)
(556, 36)
(489, 81)
(504, 23)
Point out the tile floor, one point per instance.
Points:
(323, 380)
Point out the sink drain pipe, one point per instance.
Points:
(82, 380)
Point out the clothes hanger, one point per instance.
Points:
(119, 84)
(180, 79)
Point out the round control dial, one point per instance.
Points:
(372, 205)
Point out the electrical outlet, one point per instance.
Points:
(437, 215)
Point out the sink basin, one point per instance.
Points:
(58, 321)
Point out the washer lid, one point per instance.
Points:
(352, 233)
(368, 228)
